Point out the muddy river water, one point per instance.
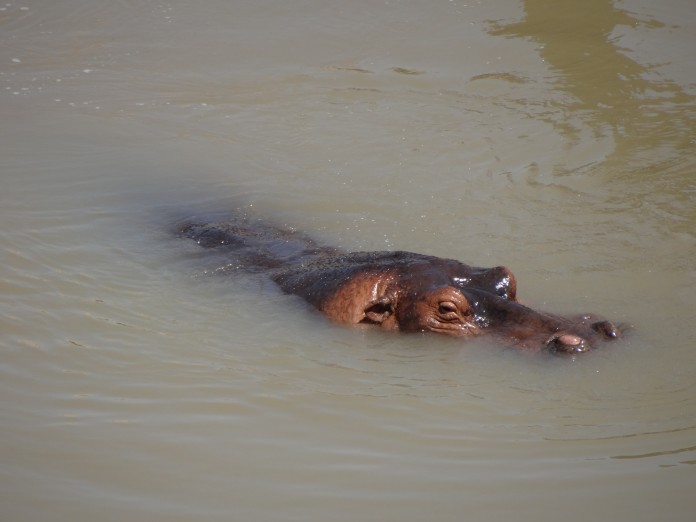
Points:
(138, 383)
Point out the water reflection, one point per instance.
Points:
(584, 43)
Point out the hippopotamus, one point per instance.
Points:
(400, 291)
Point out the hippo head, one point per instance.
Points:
(451, 298)
(469, 312)
(417, 293)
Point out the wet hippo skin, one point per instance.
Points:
(400, 291)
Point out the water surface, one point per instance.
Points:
(138, 383)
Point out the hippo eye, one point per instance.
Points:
(447, 308)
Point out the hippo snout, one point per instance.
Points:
(568, 343)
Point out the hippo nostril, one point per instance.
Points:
(567, 343)
(606, 328)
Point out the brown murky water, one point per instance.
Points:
(136, 384)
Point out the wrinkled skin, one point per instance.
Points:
(401, 291)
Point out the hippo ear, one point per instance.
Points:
(378, 311)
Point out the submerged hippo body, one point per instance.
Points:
(399, 290)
